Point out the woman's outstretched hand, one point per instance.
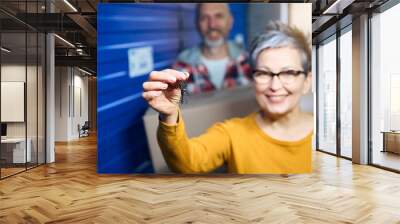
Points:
(163, 93)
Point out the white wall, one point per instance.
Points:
(62, 81)
(300, 16)
(71, 92)
(16, 72)
(80, 84)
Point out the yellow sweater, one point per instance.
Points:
(238, 142)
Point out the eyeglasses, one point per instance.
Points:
(286, 77)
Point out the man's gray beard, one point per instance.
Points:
(212, 44)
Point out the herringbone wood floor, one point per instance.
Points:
(70, 191)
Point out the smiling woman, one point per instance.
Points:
(275, 139)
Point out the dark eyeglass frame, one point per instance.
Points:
(293, 72)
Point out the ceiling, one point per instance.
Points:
(72, 20)
(76, 22)
(331, 15)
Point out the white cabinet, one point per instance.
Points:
(17, 146)
(391, 142)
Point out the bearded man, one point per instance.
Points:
(215, 63)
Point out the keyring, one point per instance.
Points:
(182, 86)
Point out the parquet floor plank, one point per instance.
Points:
(70, 191)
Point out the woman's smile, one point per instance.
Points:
(277, 98)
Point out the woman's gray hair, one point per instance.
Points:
(279, 35)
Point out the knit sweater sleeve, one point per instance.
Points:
(196, 155)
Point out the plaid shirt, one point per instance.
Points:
(238, 71)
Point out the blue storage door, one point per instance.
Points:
(122, 144)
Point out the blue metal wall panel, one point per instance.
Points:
(122, 146)
(189, 34)
(239, 12)
(168, 28)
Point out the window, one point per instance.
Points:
(327, 95)
(385, 89)
(22, 76)
(346, 92)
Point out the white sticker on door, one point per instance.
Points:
(140, 61)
